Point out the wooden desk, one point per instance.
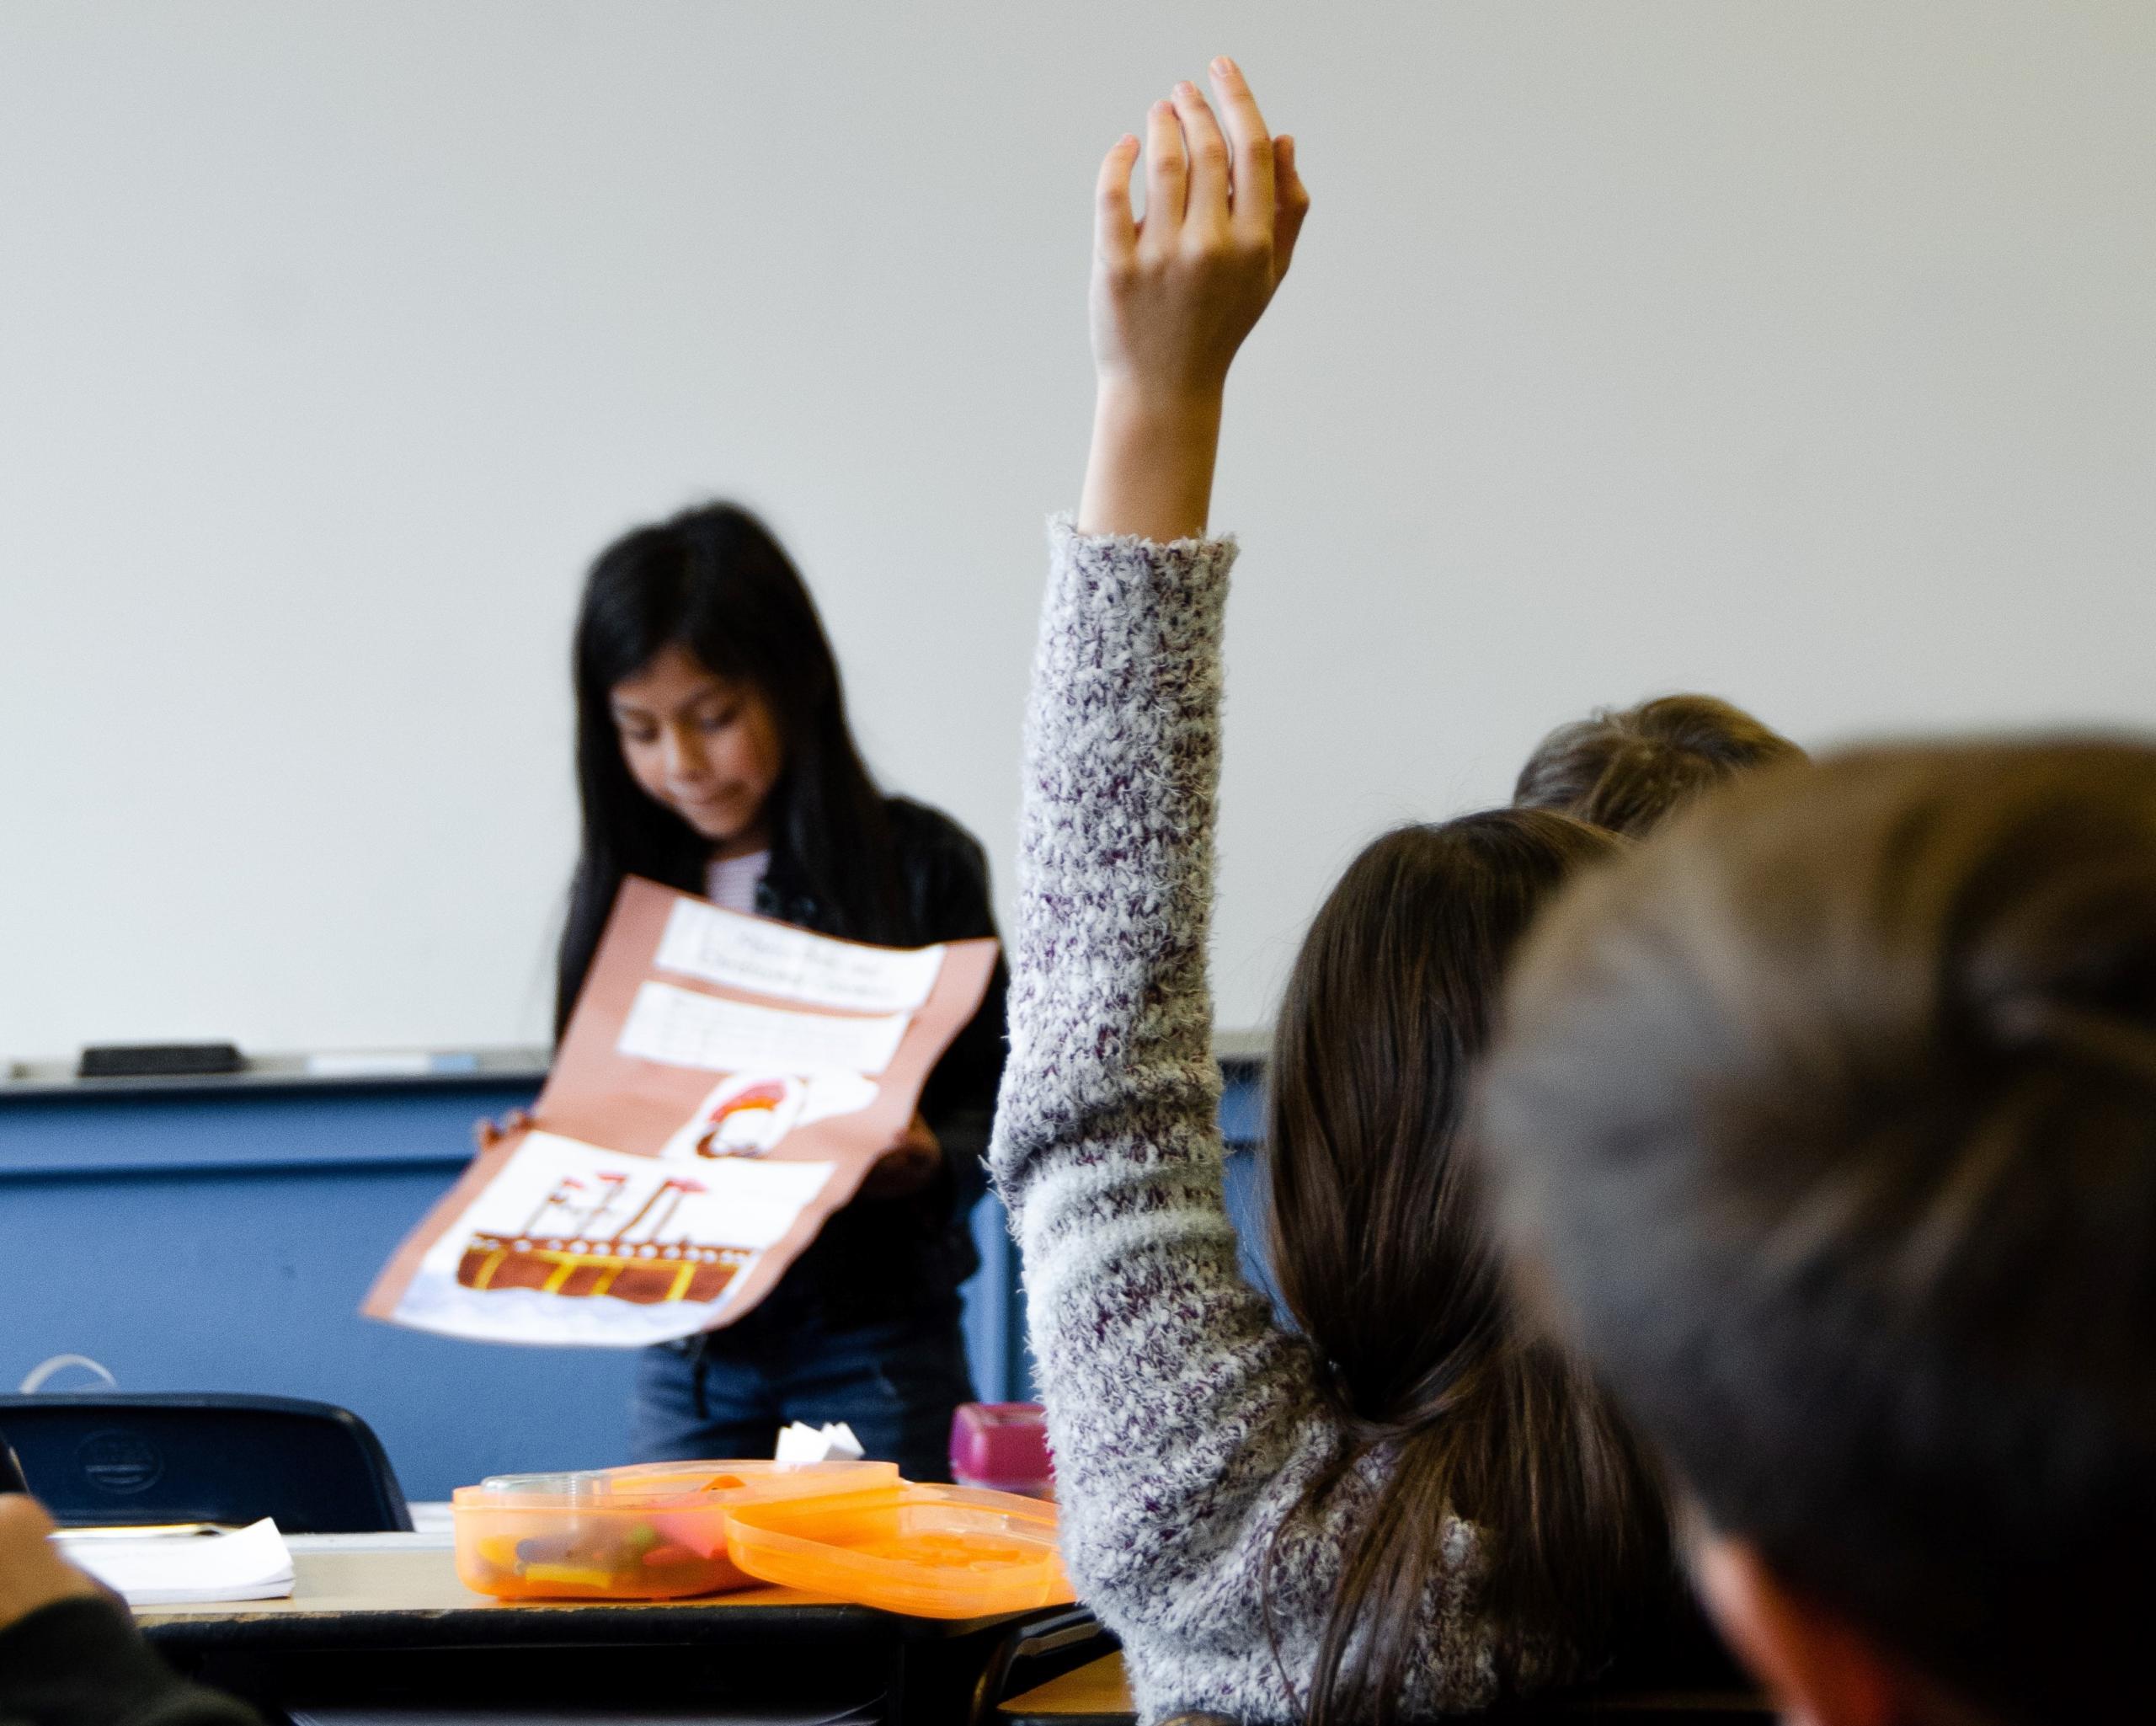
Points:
(383, 1619)
(402, 1591)
(1098, 1694)
(1097, 1691)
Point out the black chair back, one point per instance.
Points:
(100, 1458)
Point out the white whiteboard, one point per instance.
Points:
(1799, 353)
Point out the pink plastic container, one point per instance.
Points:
(1002, 1446)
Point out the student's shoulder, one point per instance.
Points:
(924, 835)
(944, 871)
(79, 1662)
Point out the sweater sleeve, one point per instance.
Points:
(80, 1663)
(1185, 1423)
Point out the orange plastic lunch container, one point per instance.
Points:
(649, 1532)
(935, 1551)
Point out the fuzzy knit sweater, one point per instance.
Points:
(1185, 1422)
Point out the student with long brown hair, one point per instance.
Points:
(1411, 1505)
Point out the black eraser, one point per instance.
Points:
(158, 1060)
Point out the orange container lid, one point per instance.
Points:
(734, 1481)
(645, 1531)
(934, 1551)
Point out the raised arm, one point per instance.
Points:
(1184, 1422)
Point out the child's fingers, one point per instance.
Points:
(1207, 198)
(1253, 149)
(1166, 172)
(1292, 203)
(1114, 232)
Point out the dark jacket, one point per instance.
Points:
(79, 1663)
(879, 1257)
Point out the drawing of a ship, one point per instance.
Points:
(561, 1251)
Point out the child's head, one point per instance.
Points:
(709, 715)
(1383, 1253)
(1626, 770)
(1828, 1119)
(702, 673)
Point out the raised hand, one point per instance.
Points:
(1174, 295)
(487, 1134)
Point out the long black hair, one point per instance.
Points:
(713, 581)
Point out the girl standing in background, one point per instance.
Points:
(714, 755)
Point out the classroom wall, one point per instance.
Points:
(260, 1213)
(1801, 353)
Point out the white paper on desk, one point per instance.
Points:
(833, 1442)
(176, 1569)
(388, 1540)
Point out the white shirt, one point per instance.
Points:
(732, 881)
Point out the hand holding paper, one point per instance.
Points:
(908, 1166)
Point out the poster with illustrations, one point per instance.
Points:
(725, 1084)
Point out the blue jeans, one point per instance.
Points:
(727, 1394)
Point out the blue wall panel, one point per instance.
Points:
(221, 1239)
